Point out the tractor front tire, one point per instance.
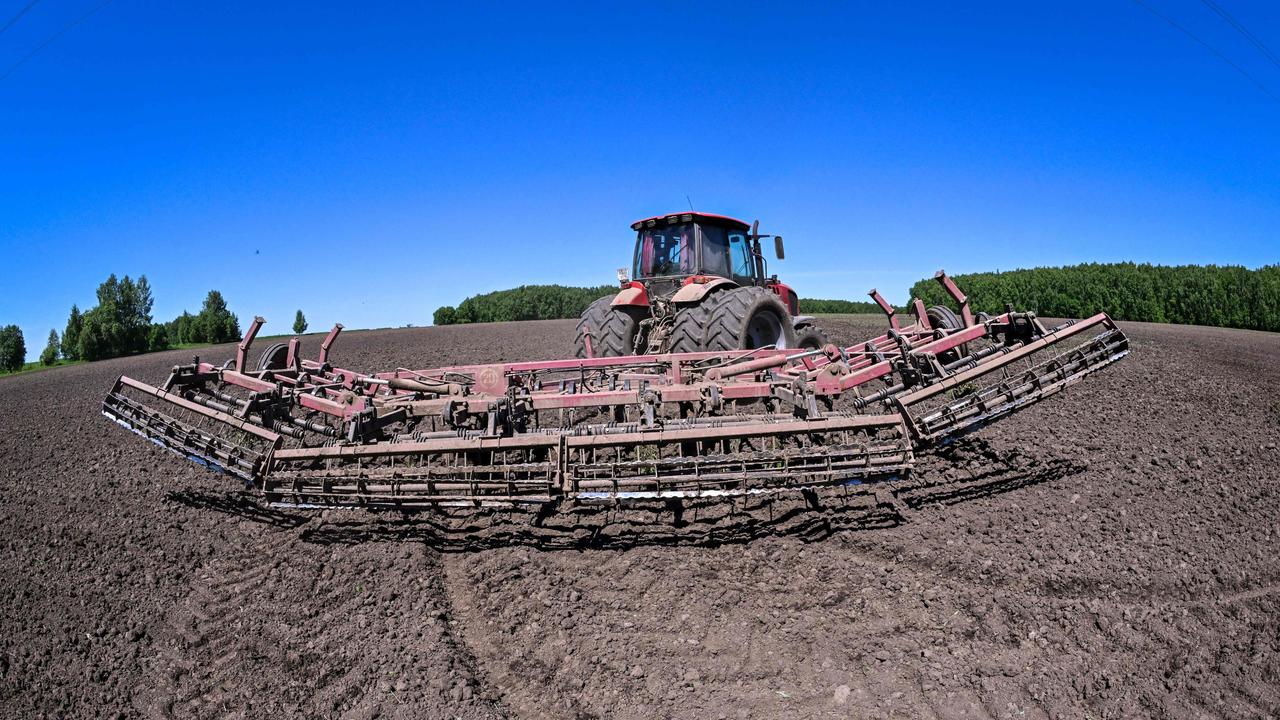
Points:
(745, 318)
(612, 329)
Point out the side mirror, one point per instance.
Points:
(777, 247)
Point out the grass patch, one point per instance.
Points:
(36, 367)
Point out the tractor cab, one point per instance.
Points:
(677, 246)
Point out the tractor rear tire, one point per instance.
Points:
(941, 316)
(613, 329)
(811, 337)
(745, 318)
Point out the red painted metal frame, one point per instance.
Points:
(507, 431)
(950, 286)
(672, 378)
(243, 349)
(343, 393)
(235, 422)
(634, 294)
(886, 307)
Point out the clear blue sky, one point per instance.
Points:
(368, 163)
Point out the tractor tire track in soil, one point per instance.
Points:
(1110, 552)
(202, 640)
(273, 602)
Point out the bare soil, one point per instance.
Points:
(1109, 552)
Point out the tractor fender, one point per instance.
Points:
(787, 295)
(633, 295)
(694, 292)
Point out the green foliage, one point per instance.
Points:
(213, 324)
(95, 343)
(811, 306)
(13, 349)
(447, 315)
(527, 302)
(71, 335)
(299, 323)
(1225, 296)
(182, 329)
(50, 354)
(158, 337)
(121, 322)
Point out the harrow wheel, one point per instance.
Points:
(275, 357)
(943, 317)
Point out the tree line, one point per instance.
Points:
(527, 302)
(121, 323)
(13, 348)
(556, 302)
(1226, 296)
(1219, 295)
(812, 306)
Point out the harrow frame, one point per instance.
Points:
(706, 424)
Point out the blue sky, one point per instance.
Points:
(369, 162)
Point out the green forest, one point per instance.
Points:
(1225, 296)
(527, 302)
(555, 302)
(811, 306)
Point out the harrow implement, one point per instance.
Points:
(608, 429)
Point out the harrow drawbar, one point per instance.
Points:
(687, 425)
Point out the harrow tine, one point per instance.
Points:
(186, 440)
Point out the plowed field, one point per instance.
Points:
(1113, 551)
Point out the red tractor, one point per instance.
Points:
(698, 283)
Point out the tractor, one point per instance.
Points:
(698, 283)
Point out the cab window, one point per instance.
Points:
(740, 258)
(715, 251)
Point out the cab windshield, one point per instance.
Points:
(665, 251)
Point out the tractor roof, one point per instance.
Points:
(684, 217)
